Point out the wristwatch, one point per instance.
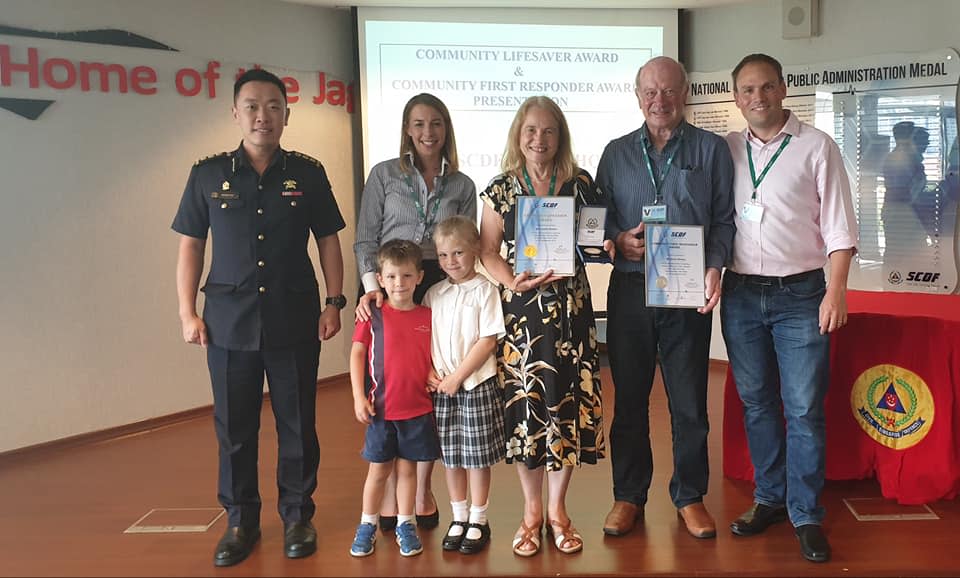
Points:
(338, 301)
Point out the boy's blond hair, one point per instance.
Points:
(460, 228)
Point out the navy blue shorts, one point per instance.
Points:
(413, 439)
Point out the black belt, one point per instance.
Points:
(779, 281)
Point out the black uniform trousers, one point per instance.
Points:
(636, 336)
(237, 378)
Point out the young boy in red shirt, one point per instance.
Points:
(394, 346)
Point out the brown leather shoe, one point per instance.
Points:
(622, 518)
(698, 520)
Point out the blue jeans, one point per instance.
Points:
(781, 365)
(637, 336)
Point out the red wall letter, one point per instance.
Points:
(67, 66)
(141, 75)
(32, 67)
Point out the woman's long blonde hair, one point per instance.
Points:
(513, 159)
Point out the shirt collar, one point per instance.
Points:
(791, 127)
(646, 142)
(446, 285)
(443, 163)
(239, 158)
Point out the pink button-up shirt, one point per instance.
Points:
(808, 210)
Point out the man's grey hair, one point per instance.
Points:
(683, 72)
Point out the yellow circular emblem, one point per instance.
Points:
(530, 251)
(893, 405)
(661, 282)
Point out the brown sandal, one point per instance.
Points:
(564, 534)
(524, 537)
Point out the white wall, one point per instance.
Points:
(90, 336)
(717, 38)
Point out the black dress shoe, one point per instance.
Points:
(235, 545)
(470, 546)
(428, 521)
(757, 519)
(299, 539)
(453, 542)
(813, 544)
(388, 524)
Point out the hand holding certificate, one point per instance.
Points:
(674, 265)
(545, 235)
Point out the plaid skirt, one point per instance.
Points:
(470, 425)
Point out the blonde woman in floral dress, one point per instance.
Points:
(548, 360)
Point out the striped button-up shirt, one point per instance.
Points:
(388, 211)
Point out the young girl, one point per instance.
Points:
(467, 321)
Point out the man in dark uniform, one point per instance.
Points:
(262, 309)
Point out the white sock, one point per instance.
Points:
(460, 511)
(369, 518)
(478, 515)
(402, 518)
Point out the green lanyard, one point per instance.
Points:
(415, 196)
(773, 159)
(658, 186)
(553, 181)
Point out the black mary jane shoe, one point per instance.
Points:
(235, 545)
(428, 521)
(388, 524)
(451, 543)
(469, 546)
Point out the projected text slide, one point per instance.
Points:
(483, 72)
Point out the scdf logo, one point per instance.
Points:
(895, 278)
(893, 405)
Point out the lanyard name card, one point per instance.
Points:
(753, 173)
(427, 216)
(657, 212)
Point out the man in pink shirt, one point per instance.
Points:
(794, 213)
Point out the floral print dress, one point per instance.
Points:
(548, 360)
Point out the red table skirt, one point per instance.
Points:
(916, 332)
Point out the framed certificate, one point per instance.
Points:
(545, 235)
(674, 265)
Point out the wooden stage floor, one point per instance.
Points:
(64, 512)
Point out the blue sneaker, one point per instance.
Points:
(364, 540)
(408, 540)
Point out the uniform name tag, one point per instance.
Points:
(225, 195)
(291, 194)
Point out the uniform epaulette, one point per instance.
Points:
(210, 158)
(307, 158)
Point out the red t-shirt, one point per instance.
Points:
(398, 360)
